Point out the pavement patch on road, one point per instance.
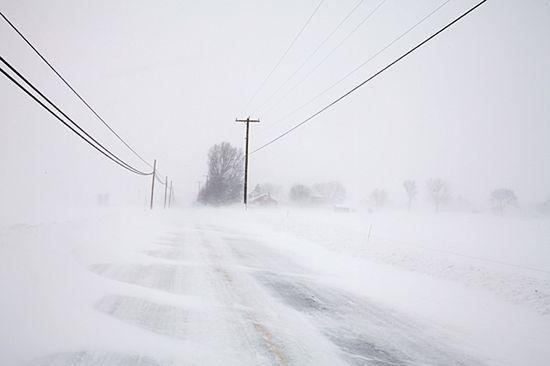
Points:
(292, 293)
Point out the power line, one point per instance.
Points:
(82, 134)
(363, 64)
(284, 54)
(72, 89)
(350, 13)
(334, 49)
(158, 179)
(67, 117)
(65, 123)
(370, 78)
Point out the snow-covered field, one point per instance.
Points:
(284, 286)
(508, 256)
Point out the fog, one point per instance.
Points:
(470, 107)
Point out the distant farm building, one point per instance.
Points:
(264, 200)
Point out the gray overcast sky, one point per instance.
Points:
(472, 106)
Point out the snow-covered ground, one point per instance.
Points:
(284, 286)
(508, 256)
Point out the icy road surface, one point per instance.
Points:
(192, 289)
(262, 308)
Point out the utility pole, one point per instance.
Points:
(247, 121)
(170, 197)
(153, 183)
(165, 189)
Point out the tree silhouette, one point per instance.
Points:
(225, 175)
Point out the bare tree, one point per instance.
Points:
(225, 175)
(411, 190)
(378, 197)
(332, 192)
(502, 197)
(438, 192)
(300, 193)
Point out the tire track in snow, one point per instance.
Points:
(255, 335)
(255, 321)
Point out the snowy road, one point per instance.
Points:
(213, 295)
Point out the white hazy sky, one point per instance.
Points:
(472, 106)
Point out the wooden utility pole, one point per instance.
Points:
(247, 121)
(153, 183)
(170, 197)
(165, 190)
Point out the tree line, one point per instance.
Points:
(224, 185)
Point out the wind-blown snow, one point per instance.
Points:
(209, 287)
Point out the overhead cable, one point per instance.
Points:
(327, 38)
(72, 89)
(332, 51)
(159, 180)
(364, 63)
(368, 79)
(284, 55)
(77, 129)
